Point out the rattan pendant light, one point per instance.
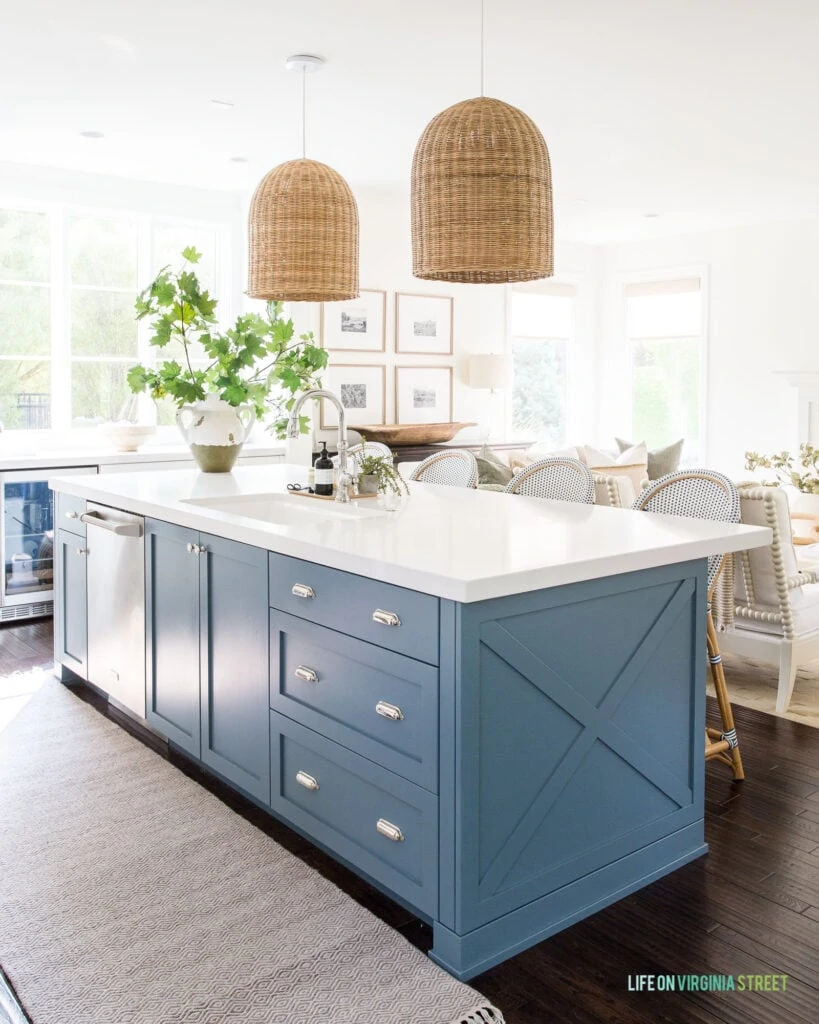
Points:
(303, 226)
(482, 195)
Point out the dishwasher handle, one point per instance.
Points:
(132, 529)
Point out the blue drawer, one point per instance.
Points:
(69, 509)
(346, 602)
(380, 704)
(375, 820)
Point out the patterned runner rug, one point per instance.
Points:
(130, 895)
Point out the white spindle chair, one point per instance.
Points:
(704, 494)
(555, 478)
(457, 468)
(771, 612)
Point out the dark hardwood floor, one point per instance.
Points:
(751, 907)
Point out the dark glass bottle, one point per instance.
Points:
(324, 473)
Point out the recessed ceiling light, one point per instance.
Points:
(222, 104)
(93, 135)
(651, 216)
(238, 159)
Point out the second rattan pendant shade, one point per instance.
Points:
(303, 235)
(482, 196)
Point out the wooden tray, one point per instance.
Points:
(329, 497)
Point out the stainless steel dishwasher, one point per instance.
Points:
(115, 543)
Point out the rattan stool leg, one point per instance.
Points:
(727, 746)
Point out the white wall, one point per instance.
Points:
(763, 316)
(480, 312)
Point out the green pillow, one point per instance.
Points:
(660, 460)
(491, 469)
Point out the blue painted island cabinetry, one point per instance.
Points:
(207, 650)
(70, 584)
(503, 767)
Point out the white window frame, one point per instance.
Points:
(62, 434)
(545, 287)
(624, 423)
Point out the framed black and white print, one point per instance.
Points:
(357, 325)
(423, 324)
(423, 394)
(361, 391)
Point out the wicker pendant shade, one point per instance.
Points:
(482, 196)
(303, 235)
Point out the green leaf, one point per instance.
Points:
(191, 255)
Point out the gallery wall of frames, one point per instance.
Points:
(389, 350)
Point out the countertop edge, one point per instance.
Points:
(464, 591)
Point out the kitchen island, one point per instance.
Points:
(491, 707)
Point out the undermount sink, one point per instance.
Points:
(285, 509)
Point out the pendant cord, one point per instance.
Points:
(304, 113)
(482, 46)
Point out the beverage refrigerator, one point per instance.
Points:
(27, 541)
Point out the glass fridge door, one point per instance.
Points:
(28, 539)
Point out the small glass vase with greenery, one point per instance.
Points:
(256, 364)
(801, 473)
(378, 475)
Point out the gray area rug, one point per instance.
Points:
(130, 895)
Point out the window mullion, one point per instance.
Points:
(60, 327)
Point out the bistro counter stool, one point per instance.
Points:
(556, 479)
(456, 469)
(704, 494)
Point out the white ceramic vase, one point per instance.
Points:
(215, 432)
(805, 515)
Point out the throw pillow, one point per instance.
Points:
(491, 469)
(660, 460)
(633, 463)
(536, 452)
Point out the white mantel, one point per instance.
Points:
(806, 383)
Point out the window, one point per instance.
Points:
(542, 326)
(664, 330)
(25, 320)
(68, 280)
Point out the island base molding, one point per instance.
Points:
(465, 956)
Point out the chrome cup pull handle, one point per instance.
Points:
(390, 831)
(307, 781)
(302, 590)
(385, 618)
(307, 675)
(391, 711)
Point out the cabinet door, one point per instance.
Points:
(234, 667)
(172, 633)
(71, 603)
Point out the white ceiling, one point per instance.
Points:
(702, 111)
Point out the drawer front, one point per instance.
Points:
(357, 606)
(375, 820)
(380, 704)
(69, 510)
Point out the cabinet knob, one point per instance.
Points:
(307, 781)
(71, 515)
(191, 548)
(385, 618)
(307, 675)
(82, 551)
(390, 831)
(202, 549)
(302, 590)
(391, 711)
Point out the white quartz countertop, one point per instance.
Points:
(106, 455)
(460, 544)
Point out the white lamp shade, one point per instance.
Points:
(487, 371)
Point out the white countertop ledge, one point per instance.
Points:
(459, 544)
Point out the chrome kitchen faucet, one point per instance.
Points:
(344, 479)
